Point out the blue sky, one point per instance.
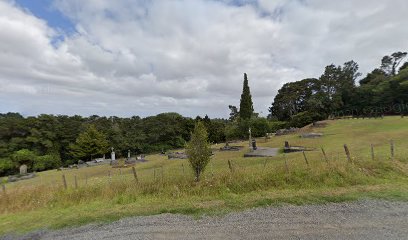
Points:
(45, 9)
(186, 56)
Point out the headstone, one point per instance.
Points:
(23, 169)
(250, 137)
(113, 157)
(311, 135)
(287, 144)
(128, 154)
(254, 144)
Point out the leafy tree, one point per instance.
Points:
(246, 108)
(232, 131)
(259, 127)
(215, 129)
(68, 129)
(165, 131)
(389, 64)
(89, 143)
(375, 77)
(7, 166)
(293, 98)
(46, 162)
(24, 156)
(234, 114)
(404, 66)
(347, 88)
(198, 150)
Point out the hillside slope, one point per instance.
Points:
(105, 194)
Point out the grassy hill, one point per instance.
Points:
(106, 194)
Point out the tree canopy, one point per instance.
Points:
(246, 108)
(89, 144)
(335, 92)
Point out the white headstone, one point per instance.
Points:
(128, 154)
(23, 169)
(113, 157)
(250, 137)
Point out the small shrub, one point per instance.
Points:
(198, 150)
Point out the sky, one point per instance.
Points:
(145, 57)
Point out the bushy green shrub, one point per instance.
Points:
(7, 167)
(232, 131)
(304, 118)
(259, 127)
(24, 156)
(46, 162)
(276, 125)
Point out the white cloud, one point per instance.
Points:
(146, 57)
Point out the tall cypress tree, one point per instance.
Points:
(246, 108)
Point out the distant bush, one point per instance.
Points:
(7, 167)
(46, 162)
(276, 125)
(304, 118)
(24, 156)
(232, 131)
(259, 127)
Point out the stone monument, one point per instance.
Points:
(23, 169)
(128, 154)
(113, 158)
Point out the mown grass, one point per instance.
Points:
(167, 186)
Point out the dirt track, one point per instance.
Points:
(369, 219)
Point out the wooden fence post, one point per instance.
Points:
(325, 156)
(76, 182)
(347, 153)
(64, 180)
(230, 166)
(372, 152)
(134, 174)
(304, 155)
(286, 164)
(392, 149)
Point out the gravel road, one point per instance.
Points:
(368, 219)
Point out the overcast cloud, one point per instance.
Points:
(150, 56)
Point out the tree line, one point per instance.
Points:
(384, 91)
(50, 141)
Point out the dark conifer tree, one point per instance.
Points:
(246, 108)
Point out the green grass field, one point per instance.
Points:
(168, 186)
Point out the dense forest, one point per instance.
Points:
(48, 141)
